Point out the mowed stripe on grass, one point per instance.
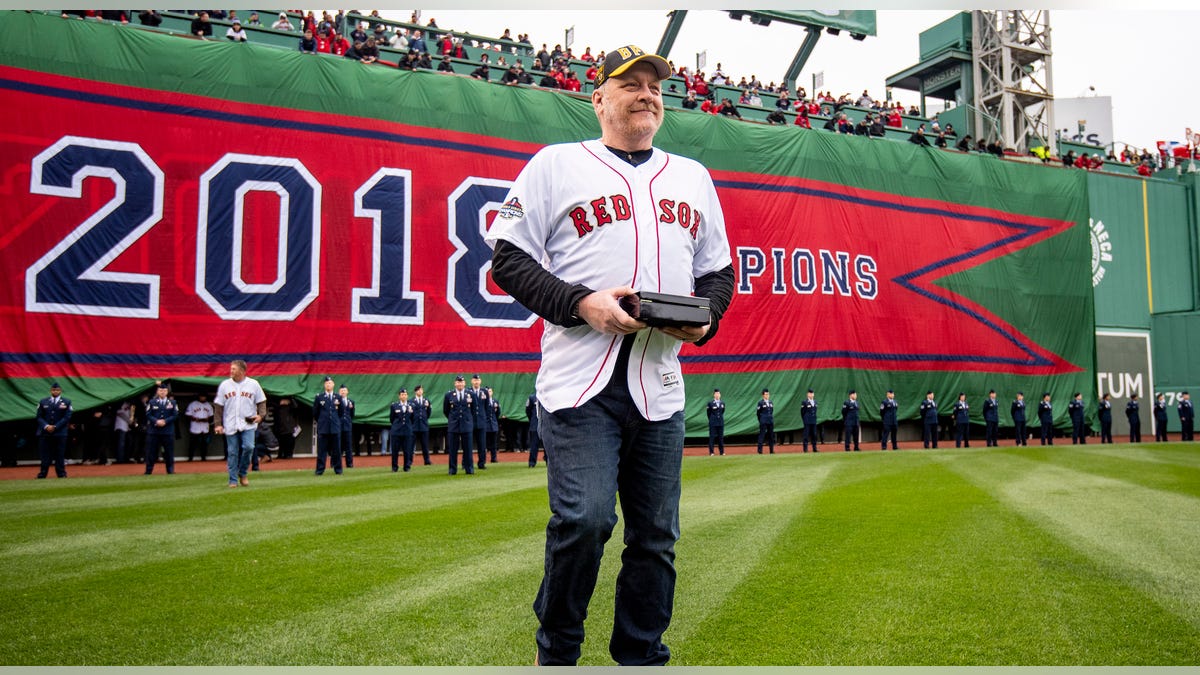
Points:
(947, 557)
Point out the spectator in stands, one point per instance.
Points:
(543, 55)
(1096, 162)
(965, 143)
(399, 40)
(481, 73)
(309, 22)
(940, 141)
(802, 118)
(358, 34)
(339, 45)
(308, 44)
(844, 125)
(556, 53)
(865, 101)
(700, 86)
(755, 99)
(981, 146)
(690, 103)
(425, 61)
(369, 51)
(918, 137)
(832, 123)
(409, 61)
(459, 52)
(524, 39)
(572, 82)
(201, 27)
(587, 55)
(744, 98)
(149, 17)
(863, 128)
(416, 42)
(548, 80)
(217, 14)
(380, 34)
(729, 109)
(784, 102)
(511, 77)
(431, 29)
(995, 148)
(877, 126)
(283, 23)
(1144, 169)
(709, 106)
(235, 32)
(560, 74)
(254, 21)
(776, 117)
(914, 111)
(591, 73)
(324, 44)
(950, 130)
(934, 126)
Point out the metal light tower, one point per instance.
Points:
(1014, 87)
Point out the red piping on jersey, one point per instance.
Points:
(597, 376)
(641, 380)
(632, 207)
(657, 225)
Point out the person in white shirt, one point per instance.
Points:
(240, 406)
(121, 428)
(199, 414)
(283, 23)
(235, 32)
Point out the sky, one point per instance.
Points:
(1123, 54)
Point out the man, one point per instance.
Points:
(1187, 417)
(239, 407)
(53, 418)
(401, 434)
(929, 418)
(493, 413)
(1104, 414)
(609, 419)
(991, 419)
(888, 417)
(200, 413)
(716, 423)
(766, 421)
(534, 440)
(327, 417)
(1017, 410)
(286, 427)
(808, 414)
(1075, 411)
(459, 408)
(422, 409)
(1160, 419)
(161, 414)
(1046, 419)
(850, 420)
(1135, 419)
(962, 421)
(480, 405)
(346, 435)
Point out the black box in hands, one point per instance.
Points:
(662, 310)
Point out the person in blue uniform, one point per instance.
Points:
(422, 410)
(850, 420)
(808, 414)
(766, 421)
(534, 440)
(492, 408)
(346, 435)
(1075, 409)
(1134, 415)
(929, 419)
(53, 419)
(991, 420)
(1017, 410)
(962, 421)
(327, 418)
(1104, 414)
(716, 423)
(1046, 419)
(458, 406)
(480, 403)
(161, 413)
(400, 436)
(1160, 419)
(888, 418)
(1187, 417)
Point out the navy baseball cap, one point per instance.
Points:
(54, 385)
(459, 378)
(329, 378)
(811, 391)
(717, 391)
(475, 377)
(402, 391)
(620, 59)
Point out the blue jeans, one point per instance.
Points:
(238, 447)
(601, 448)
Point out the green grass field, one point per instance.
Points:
(993, 557)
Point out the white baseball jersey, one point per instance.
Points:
(199, 411)
(592, 219)
(240, 400)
